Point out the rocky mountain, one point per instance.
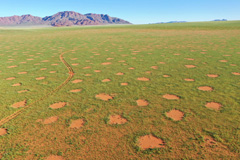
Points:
(66, 18)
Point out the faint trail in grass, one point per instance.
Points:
(71, 74)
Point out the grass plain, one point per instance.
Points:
(122, 54)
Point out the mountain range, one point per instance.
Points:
(66, 18)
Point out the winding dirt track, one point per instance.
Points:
(71, 74)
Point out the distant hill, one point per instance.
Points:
(66, 18)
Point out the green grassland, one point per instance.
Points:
(137, 46)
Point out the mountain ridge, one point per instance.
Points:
(64, 18)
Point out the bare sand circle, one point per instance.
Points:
(52, 72)
(22, 72)
(19, 104)
(3, 131)
(87, 75)
(43, 69)
(124, 84)
(176, 115)
(223, 61)
(236, 73)
(12, 66)
(75, 64)
(190, 66)
(55, 64)
(78, 123)
(97, 71)
(76, 90)
(50, 120)
(143, 79)
(150, 141)
(213, 105)
(166, 76)
(154, 67)
(190, 59)
(142, 102)
(77, 81)
(40, 78)
(131, 68)
(106, 63)
(212, 75)
(205, 88)
(103, 96)
(11, 78)
(162, 62)
(22, 91)
(58, 105)
(117, 119)
(119, 73)
(170, 96)
(106, 80)
(88, 67)
(189, 80)
(17, 84)
(54, 157)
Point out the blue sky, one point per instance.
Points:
(135, 11)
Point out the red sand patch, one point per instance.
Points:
(109, 58)
(79, 123)
(50, 120)
(213, 105)
(17, 84)
(170, 96)
(212, 75)
(106, 80)
(117, 119)
(3, 131)
(189, 80)
(162, 62)
(142, 102)
(106, 63)
(77, 81)
(190, 66)
(76, 90)
(22, 72)
(55, 64)
(40, 78)
(19, 104)
(30, 59)
(119, 73)
(223, 61)
(154, 67)
(190, 59)
(53, 157)
(45, 61)
(236, 73)
(104, 97)
(58, 105)
(22, 91)
(205, 88)
(97, 71)
(166, 76)
(124, 84)
(88, 67)
(150, 141)
(131, 68)
(43, 69)
(143, 79)
(52, 72)
(12, 66)
(23, 62)
(176, 115)
(75, 64)
(11, 78)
